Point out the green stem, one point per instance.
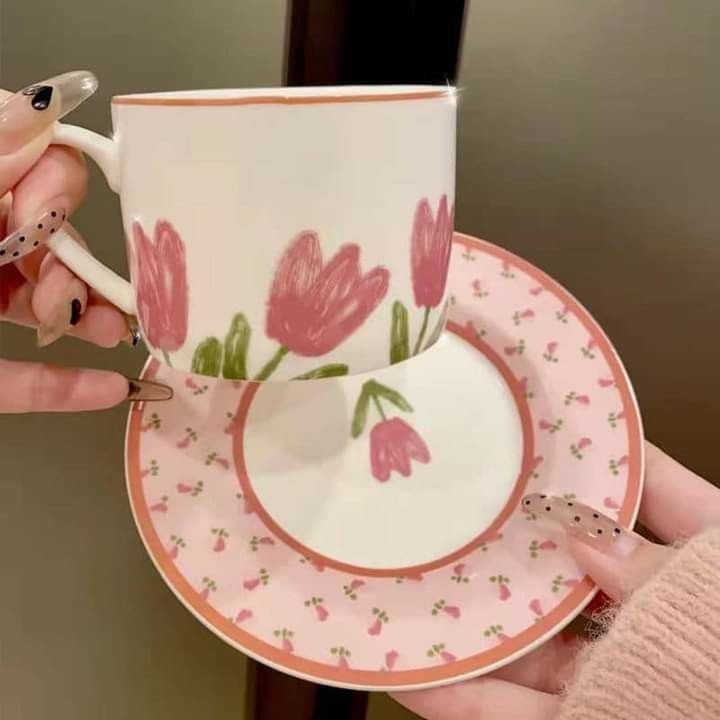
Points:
(272, 364)
(166, 355)
(423, 330)
(379, 407)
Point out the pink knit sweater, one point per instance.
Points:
(661, 658)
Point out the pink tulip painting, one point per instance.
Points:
(161, 286)
(430, 252)
(394, 443)
(314, 306)
(430, 245)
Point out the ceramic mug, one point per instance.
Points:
(289, 233)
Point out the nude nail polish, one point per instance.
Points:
(583, 523)
(148, 391)
(24, 115)
(65, 315)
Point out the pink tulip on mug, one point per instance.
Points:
(162, 292)
(263, 243)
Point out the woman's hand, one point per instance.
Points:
(676, 504)
(41, 185)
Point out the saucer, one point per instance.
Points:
(364, 531)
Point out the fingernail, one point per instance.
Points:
(31, 236)
(28, 112)
(75, 311)
(583, 523)
(65, 315)
(145, 390)
(133, 337)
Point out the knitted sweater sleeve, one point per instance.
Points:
(661, 657)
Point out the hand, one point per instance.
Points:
(41, 185)
(676, 504)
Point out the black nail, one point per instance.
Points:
(75, 311)
(41, 96)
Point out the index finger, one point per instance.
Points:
(36, 387)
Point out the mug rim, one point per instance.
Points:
(288, 95)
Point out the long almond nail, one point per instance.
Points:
(31, 236)
(584, 523)
(146, 390)
(28, 112)
(66, 314)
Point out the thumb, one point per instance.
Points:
(617, 559)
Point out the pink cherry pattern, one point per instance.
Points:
(262, 578)
(441, 607)
(173, 549)
(496, 631)
(536, 607)
(190, 436)
(351, 589)
(151, 470)
(154, 422)
(502, 582)
(537, 547)
(380, 618)
(257, 542)
(208, 586)
(285, 637)
(342, 654)
(519, 316)
(243, 615)
(161, 506)
(221, 536)
(197, 389)
(317, 603)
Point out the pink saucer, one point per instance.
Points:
(364, 531)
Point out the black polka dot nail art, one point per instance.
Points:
(582, 522)
(31, 236)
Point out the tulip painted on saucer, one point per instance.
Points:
(393, 442)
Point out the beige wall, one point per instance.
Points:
(87, 628)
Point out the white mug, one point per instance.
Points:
(289, 233)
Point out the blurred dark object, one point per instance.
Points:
(275, 696)
(362, 42)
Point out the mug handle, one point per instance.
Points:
(99, 277)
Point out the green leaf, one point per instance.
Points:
(399, 334)
(237, 342)
(207, 359)
(390, 395)
(438, 329)
(326, 371)
(361, 410)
